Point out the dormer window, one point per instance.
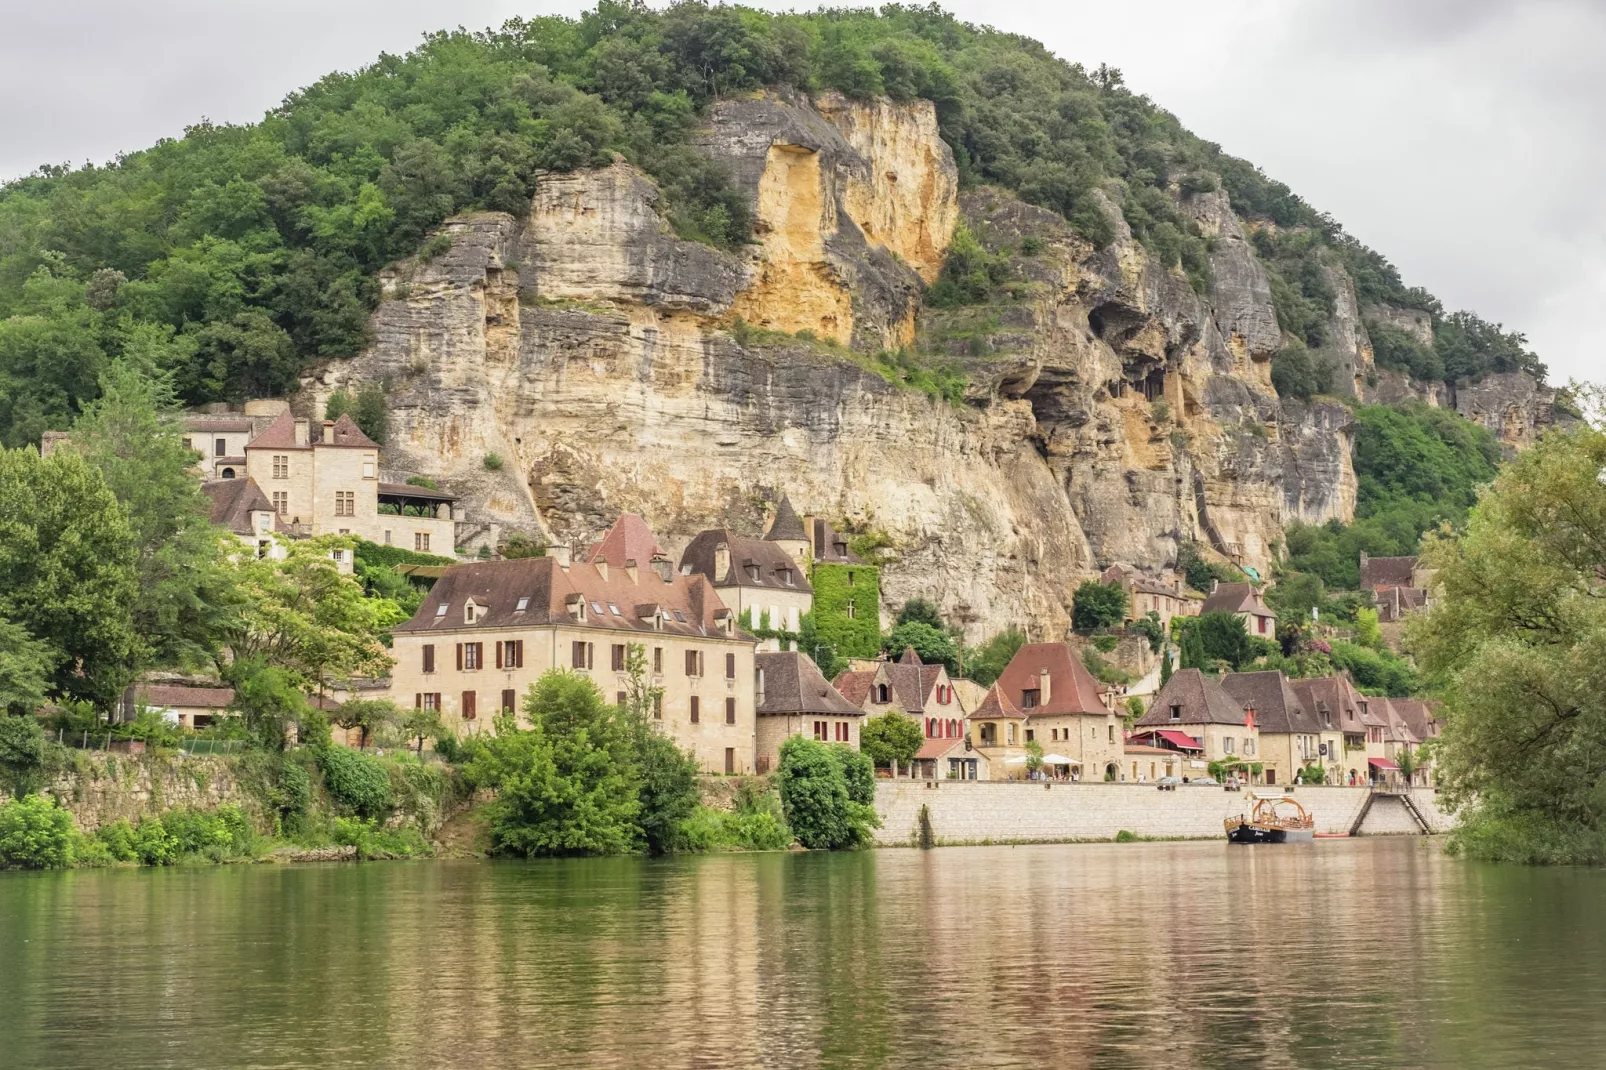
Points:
(752, 573)
(1176, 713)
(440, 610)
(471, 612)
(522, 604)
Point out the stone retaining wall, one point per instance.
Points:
(999, 812)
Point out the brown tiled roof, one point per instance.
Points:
(933, 749)
(345, 433)
(1331, 697)
(1386, 572)
(424, 494)
(629, 539)
(1071, 689)
(825, 540)
(1202, 700)
(996, 704)
(233, 502)
(690, 605)
(216, 421)
(787, 524)
(1395, 730)
(1418, 716)
(1278, 709)
(1235, 598)
(773, 563)
(793, 684)
(855, 686)
(213, 698)
(279, 435)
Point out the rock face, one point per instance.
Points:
(1111, 412)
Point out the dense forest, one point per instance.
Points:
(236, 256)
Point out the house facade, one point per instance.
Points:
(792, 698)
(759, 579)
(1061, 708)
(1166, 596)
(1197, 705)
(1336, 707)
(1289, 736)
(923, 693)
(1242, 600)
(1399, 585)
(488, 630)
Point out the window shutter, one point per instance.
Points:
(459, 657)
(509, 700)
(418, 700)
(696, 709)
(730, 666)
(518, 649)
(469, 706)
(730, 711)
(429, 657)
(591, 650)
(498, 646)
(691, 663)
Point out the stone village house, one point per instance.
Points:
(488, 630)
(1166, 597)
(1290, 736)
(924, 693)
(1195, 704)
(1045, 694)
(1243, 600)
(792, 698)
(766, 579)
(1398, 584)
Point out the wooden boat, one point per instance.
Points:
(1271, 819)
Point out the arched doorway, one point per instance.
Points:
(1110, 772)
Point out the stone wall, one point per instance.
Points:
(102, 788)
(998, 812)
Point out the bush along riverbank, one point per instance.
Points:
(574, 775)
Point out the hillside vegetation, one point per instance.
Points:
(236, 256)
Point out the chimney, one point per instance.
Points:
(630, 569)
(1045, 686)
(664, 569)
(561, 554)
(302, 433)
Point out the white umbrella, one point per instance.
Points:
(1016, 761)
(1059, 759)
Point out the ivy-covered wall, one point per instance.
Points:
(835, 587)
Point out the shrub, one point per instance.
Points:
(493, 462)
(375, 842)
(22, 754)
(358, 782)
(890, 737)
(1106, 643)
(1295, 373)
(819, 806)
(35, 833)
(153, 844)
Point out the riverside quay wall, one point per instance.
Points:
(979, 811)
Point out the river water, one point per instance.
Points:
(1373, 952)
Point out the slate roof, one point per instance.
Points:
(279, 435)
(690, 606)
(1278, 709)
(1386, 572)
(233, 502)
(1235, 598)
(825, 540)
(346, 434)
(1202, 699)
(855, 686)
(787, 524)
(1331, 697)
(776, 568)
(211, 421)
(629, 539)
(1071, 689)
(792, 684)
(996, 704)
(1418, 716)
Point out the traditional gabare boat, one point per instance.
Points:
(1271, 819)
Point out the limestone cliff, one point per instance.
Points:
(1111, 411)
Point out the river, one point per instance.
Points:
(1373, 952)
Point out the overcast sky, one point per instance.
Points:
(1464, 139)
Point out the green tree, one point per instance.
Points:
(421, 723)
(267, 698)
(567, 784)
(1222, 637)
(36, 832)
(986, 663)
(370, 715)
(890, 737)
(23, 750)
(367, 408)
(667, 777)
(1165, 668)
(132, 435)
(25, 668)
(67, 569)
(923, 611)
(1517, 646)
(935, 646)
(1034, 756)
(815, 794)
(1098, 605)
(1192, 645)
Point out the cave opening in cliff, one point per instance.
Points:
(1154, 385)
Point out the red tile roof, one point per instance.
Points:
(233, 502)
(1072, 688)
(629, 539)
(279, 435)
(347, 434)
(170, 695)
(855, 686)
(1235, 598)
(933, 749)
(1278, 709)
(1386, 572)
(996, 704)
(792, 684)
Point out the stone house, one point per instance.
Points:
(1423, 723)
(1398, 584)
(1166, 596)
(949, 759)
(1290, 735)
(331, 486)
(922, 692)
(1336, 707)
(239, 506)
(760, 578)
(1144, 764)
(1197, 704)
(1062, 709)
(488, 630)
(1243, 600)
(186, 705)
(1395, 735)
(792, 698)
(220, 439)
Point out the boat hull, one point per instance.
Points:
(1247, 833)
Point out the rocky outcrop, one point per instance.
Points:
(1110, 413)
(1514, 408)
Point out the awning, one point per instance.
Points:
(1381, 763)
(1180, 739)
(1059, 759)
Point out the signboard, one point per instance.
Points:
(1323, 749)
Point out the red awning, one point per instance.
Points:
(1180, 739)
(1381, 763)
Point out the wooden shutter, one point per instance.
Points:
(730, 711)
(577, 655)
(591, 651)
(730, 666)
(418, 700)
(498, 645)
(691, 663)
(429, 657)
(518, 653)
(696, 710)
(618, 657)
(509, 699)
(470, 705)
(459, 657)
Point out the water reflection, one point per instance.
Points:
(1368, 953)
